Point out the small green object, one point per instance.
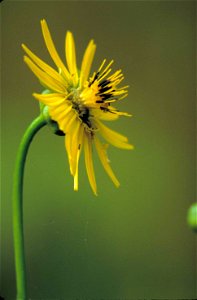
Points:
(192, 217)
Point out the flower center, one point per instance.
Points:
(79, 106)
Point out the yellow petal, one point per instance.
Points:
(52, 50)
(54, 99)
(68, 144)
(74, 133)
(73, 147)
(64, 117)
(113, 137)
(80, 137)
(45, 67)
(71, 57)
(60, 113)
(87, 62)
(89, 162)
(104, 160)
(68, 121)
(49, 82)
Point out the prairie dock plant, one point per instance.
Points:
(75, 103)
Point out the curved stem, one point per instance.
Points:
(34, 127)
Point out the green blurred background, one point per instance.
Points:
(127, 243)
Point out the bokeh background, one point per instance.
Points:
(127, 243)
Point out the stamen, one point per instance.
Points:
(104, 82)
(96, 75)
(111, 62)
(124, 96)
(102, 65)
(116, 74)
(102, 90)
(104, 74)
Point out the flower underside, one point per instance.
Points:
(79, 103)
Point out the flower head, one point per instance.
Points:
(79, 103)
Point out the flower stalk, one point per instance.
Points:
(18, 230)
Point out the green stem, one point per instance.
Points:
(34, 127)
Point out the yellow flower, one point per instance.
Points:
(79, 103)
